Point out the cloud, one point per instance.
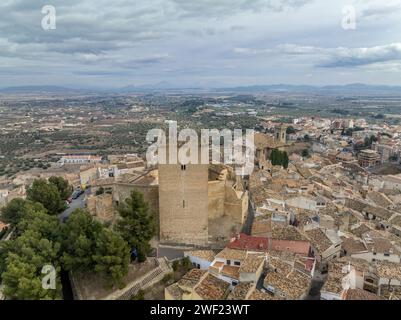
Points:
(354, 57)
(339, 57)
(229, 7)
(374, 9)
(191, 40)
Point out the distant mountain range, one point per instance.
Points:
(39, 89)
(356, 88)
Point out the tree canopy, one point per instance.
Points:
(137, 225)
(112, 256)
(279, 158)
(63, 187)
(26, 256)
(17, 209)
(47, 194)
(79, 235)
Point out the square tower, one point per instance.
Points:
(183, 203)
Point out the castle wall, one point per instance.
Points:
(101, 207)
(183, 202)
(216, 194)
(122, 191)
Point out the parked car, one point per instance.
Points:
(77, 194)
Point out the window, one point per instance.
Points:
(198, 266)
(228, 262)
(234, 283)
(237, 263)
(386, 254)
(183, 167)
(183, 203)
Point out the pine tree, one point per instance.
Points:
(64, 188)
(285, 160)
(22, 278)
(112, 256)
(79, 236)
(137, 225)
(47, 194)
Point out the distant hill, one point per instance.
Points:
(27, 89)
(43, 89)
(354, 89)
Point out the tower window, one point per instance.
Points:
(183, 167)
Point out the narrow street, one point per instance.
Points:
(78, 203)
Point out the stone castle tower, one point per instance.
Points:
(280, 134)
(183, 203)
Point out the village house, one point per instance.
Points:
(378, 248)
(201, 259)
(326, 245)
(285, 282)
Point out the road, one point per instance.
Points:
(78, 203)
(171, 253)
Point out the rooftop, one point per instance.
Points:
(241, 291)
(352, 246)
(359, 294)
(207, 255)
(231, 254)
(319, 239)
(175, 291)
(212, 288)
(281, 232)
(231, 271)
(252, 263)
(293, 285)
(191, 278)
(259, 295)
(245, 242)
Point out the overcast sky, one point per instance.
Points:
(209, 43)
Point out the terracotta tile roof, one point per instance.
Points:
(231, 254)
(261, 227)
(319, 239)
(212, 288)
(231, 271)
(396, 220)
(175, 291)
(379, 199)
(281, 232)
(381, 245)
(389, 270)
(207, 255)
(352, 246)
(241, 291)
(293, 285)
(259, 295)
(278, 265)
(252, 263)
(359, 231)
(245, 242)
(358, 294)
(191, 278)
(378, 212)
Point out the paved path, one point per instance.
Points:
(78, 203)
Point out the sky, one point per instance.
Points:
(200, 43)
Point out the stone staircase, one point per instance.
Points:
(152, 277)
